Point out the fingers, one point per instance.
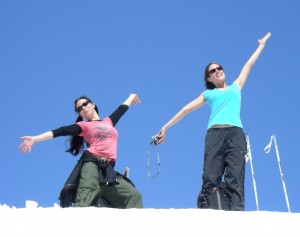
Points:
(25, 149)
(136, 100)
(265, 38)
(268, 35)
(161, 140)
(161, 136)
(24, 146)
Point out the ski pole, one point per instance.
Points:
(249, 155)
(267, 150)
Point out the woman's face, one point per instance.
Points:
(216, 74)
(85, 108)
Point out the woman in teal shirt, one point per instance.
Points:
(225, 143)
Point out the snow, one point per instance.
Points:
(56, 221)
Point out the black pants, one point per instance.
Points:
(224, 154)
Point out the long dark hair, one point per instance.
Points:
(209, 85)
(77, 142)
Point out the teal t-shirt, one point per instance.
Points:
(225, 105)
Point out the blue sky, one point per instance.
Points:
(54, 51)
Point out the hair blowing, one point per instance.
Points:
(76, 142)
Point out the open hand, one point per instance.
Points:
(27, 143)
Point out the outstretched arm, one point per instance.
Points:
(195, 104)
(28, 141)
(248, 65)
(121, 110)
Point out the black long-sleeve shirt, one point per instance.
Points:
(75, 129)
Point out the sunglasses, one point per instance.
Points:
(84, 104)
(212, 71)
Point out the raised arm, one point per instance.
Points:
(248, 65)
(195, 104)
(121, 110)
(28, 141)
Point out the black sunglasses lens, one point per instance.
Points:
(80, 108)
(212, 71)
(215, 69)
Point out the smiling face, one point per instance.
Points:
(216, 75)
(86, 109)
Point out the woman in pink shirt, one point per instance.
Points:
(94, 176)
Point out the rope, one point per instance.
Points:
(153, 143)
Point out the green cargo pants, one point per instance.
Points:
(122, 195)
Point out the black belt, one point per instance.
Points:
(107, 174)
